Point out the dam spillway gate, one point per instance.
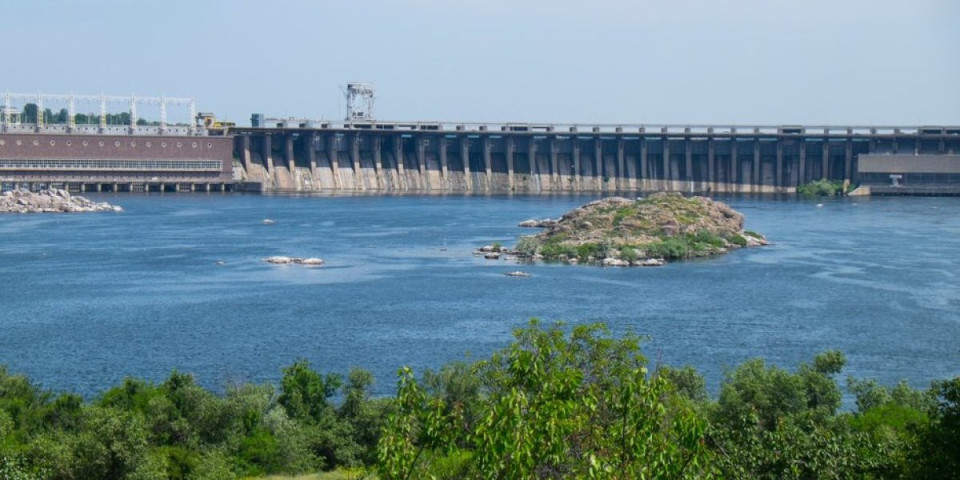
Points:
(523, 158)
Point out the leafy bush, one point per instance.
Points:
(706, 238)
(556, 249)
(587, 250)
(557, 403)
(821, 188)
(738, 240)
(577, 405)
(669, 248)
(528, 245)
(629, 253)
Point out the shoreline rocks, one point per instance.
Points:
(50, 201)
(542, 223)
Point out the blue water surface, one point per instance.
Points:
(87, 299)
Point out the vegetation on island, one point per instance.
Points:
(822, 188)
(663, 225)
(558, 402)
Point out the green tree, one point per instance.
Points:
(769, 423)
(555, 406)
(29, 113)
(934, 451)
(304, 393)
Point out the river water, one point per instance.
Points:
(89, 299)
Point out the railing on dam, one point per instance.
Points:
(603, 128)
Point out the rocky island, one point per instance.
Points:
(645, 232)
(50, 201)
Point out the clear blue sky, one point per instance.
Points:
(610, 61)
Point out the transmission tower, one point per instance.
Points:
(359, 101)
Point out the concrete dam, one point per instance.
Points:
(292, 156)
(123, 152)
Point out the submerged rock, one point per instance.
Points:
(281, 260)
(517, 273)
(50, 201)
(278, 260)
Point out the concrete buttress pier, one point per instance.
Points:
(528, 158)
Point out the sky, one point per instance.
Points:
(749, 62)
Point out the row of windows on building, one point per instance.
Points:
(116, 143)
(100, 164)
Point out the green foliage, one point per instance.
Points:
(586, 251)
(623, 213)
(460, 388)
(669, 248)
(706, 238)
(932, 451)
(30, 114)
(687, 382)
(557, 406)
(821, 188)
(773, 424)
(629, 253)
(528, 245)
(554, 249)
(419, 423)
(558, 402)
(304, 392)
(179, 430)
(738, 240)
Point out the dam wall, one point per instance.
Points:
(533, 159)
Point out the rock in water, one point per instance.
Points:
(278, 260)
(282, 260)
(543, 223)
(619, 231)
(50, 201)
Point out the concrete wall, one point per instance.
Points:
(347, 160)
(949, 164)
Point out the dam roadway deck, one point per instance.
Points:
(423, 157)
